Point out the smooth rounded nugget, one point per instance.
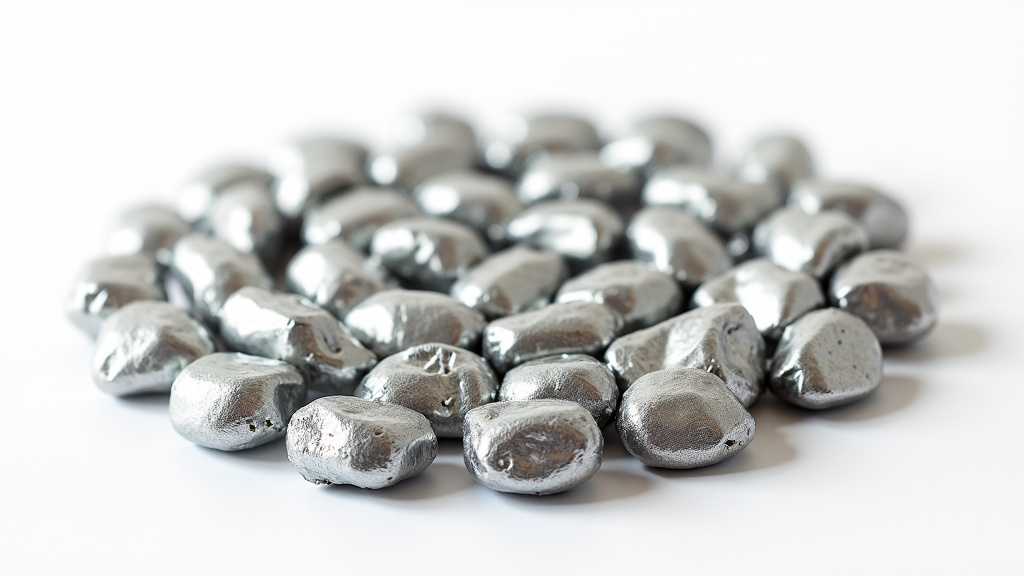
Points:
(727, 205)
(483, 201)
(232, 401)
(309, 169)
(519, 139)
(568, 176)
(810, 243)
(335, 276)
(585, 232)
(151, 229)
(210, 270)
(682, 418)
(678, 244)
(657, 142)
(441, 382)
(511, 281)
(778, 159)
(579, 378)
(884, 219)
(532, 447)
(346, 440)
(643, 295)
(106, 284)
(428, 253)
(197, 196)
(393, 320)
(244, 216)
(355, 215)
(406, 167)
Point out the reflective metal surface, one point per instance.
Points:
(779, 159)
(427, 253)
(356, 215)
(106, 284)
(585, 232)
(244, 216)
(210, 270)
(641, 294)
(516, 140)
(726, 205)
(483, 201)
(811, 243)
(678, 244)
(568, 176)
(309, 169)
(514, 280)
(334, 275)
(152, 229)
(433, 125)
(393, 320)
(658, 142)
(578, 378)
(407, 167)
(884, 219)
(196, 196)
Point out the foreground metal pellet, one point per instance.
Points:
(884, 219)
(210, 270)
(682, 418)
(244, 216)
(292, 329)
(658, 142)
(231, 401)
(393, 320)
(345, 440)
(106, 284)
(197, 196)
(441, 382)
(511, 281)
(334, 275)
(532, 447)
(678, 244)
(407, 167)
(890, 291)
(427, 253)
(354, 216)
(518, 139)
(578, 378)
(309, 169)
(568, 176)
(721, 339)
(826, 358)
(727, 205)
(584, 232)
(572, 328)
(810, 243)
(143, 347)
(483, 201)
(779, 159)
(641, 294)
(152, 229)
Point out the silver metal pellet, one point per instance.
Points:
(516, 140)
(584, 232)
(428, 253)
(779, 159)
(883, 217)
(678, 244)
(658, 142)
(407, 167)
(307, 170)
(354, 216)
(579, 378)
(483, 201)
(244, 216)
(393, 320)
(514, 280)
(568, 176)
(726, 205)
(196, 196)
(210, 270)
(811, 243)
(431, 125)
(106, 284)
(641, 294)
(334, 275)
(152, 229)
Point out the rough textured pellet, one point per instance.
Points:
(511, 281)
(427, 253)
(309, 169)
(579, 378)
(393, 320)
(810, 243)
(641, 294)
(356, 215)
(106, 284)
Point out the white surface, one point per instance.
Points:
(110, 104)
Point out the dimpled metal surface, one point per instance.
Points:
(196, 196)
(774, 296)
(407, 167)
(884, 219)
(678, 244)
(535, 447)
(393, 320)
(777, 159)
(727, 205)
(568, 176)
(309, 169)
(826, 358)
(514, 280)
(210, 270)
(891, 292)
(292, 329)
(571, 328)
(578, 378)
(143, 346)
(641, 294)
(244, 216)
(106, 284)
(584, 232)
(334, 275)
(346, 440)
(439, 381)
(152, 229)
(483, 201)
(811, 243)
(518, 139)
(682, 418)
(232, 401)
(356, 215)
(721, 339)
(428, 253)
(658, 142)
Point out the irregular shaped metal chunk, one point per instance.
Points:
(678, 244)
(810, 243)
(356, 215)
(779, 159)
(197, 196)
(482, 201)
(727, 205)
(578, 378)
(408, 166)
(427, 253)
(152, 229)
(658, 142)
(641, 294)
(519, 139)
(334, 275)
(883, 217)
(210, 270)
(511, 281)
(393, 320)
(106, 284)
(584, 232)
(310, 169)
(244, 216)
(569, 176)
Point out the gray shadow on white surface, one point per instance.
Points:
(275, 451)
(605, 486)
(439, 479)
(155, 403)
(896, 393)
(947, 340)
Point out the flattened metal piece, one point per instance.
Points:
(106, 284)
(811, 243)
(579, 378)
(641, 294)
(393, 320)
(511, 281)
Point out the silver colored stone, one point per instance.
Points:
(345, 440)
(826, 358)
(334, 275)
(658, 142)
(196, 197)
(308, 170)
(514, 280)
(641, 294)
(435, 125)
(535, 447)
(884, 219)
(483, 201)
(568, 176)
(152, 229)
(143, 346)
(678, 244)
(426, 252)
(572, 328)
(356, 215)
(891, 292)
(393, 320)
(519, 139)
(780, 159)
(232, 401)
(440, 381)
(244, 216)
(682, 418)
(721, 339)
(579, 378)
(584, 232)
(292, 329)
(811, 243)
(727, 205)
(106, 284)
(774, 296)
(210, 270)
(407, 167)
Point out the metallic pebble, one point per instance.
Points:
(151, 229)
(774, 296)
(440, 381)
(231, 401)
(533, 446)
(811, 243)
(826, 358)
(572, 328)
(428, 253)
(579, 378)
(641, 294)
(106, 284)
(890, 291)
(196, 197)
(308, 170)
(210, 270)
(519, 139)
(678, 244)
(435, 125)
(584, 232)
(514, 280)
(568, 176)
(658, 142)
(244, 216)
(721, 339)
(727, 205)
(483, 201)
(780, 159)
(884, 219)
(393, 320)
(346, 440)
(356, 215)
(144, 345)
(334, 275)
(682, 418)
(292, 329)
(407, 167)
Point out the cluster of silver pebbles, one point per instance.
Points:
(519, 291)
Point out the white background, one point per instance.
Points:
(105, 105)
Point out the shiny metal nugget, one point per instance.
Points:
(356, 215)
(393, 320)
(310, 169)
(811, 243)
(678, 244)
(106, 284)
(641, 294)
(210, 270)
(579, 378)
(511, 281)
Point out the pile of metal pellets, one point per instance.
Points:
(520, 290)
